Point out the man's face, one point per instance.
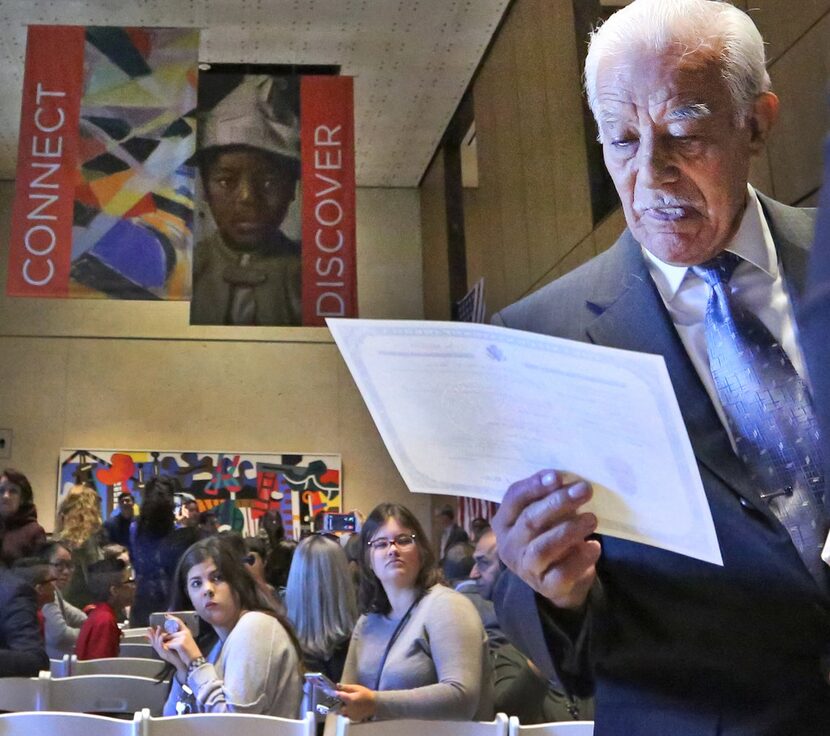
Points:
(675, 149)
(125, 507)
(249, 193)
(486, 568)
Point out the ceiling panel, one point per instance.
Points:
(411, 59)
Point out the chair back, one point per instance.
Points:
(560, 728)
(137, 649)
(222, 724)
(341, 726)
(134, 666)
(24, 693)
(65, 724)
(107, 694)
(61, 667)
(134, 635)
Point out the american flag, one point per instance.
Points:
(472, 508)
(471, 307)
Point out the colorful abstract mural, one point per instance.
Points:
(133, 219)
(239, 487)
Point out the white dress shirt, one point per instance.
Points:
(757, 285)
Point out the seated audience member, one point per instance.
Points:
(118, 525)
(270, 523)
(519, 689)
(61, 620)
(246, 658)
(21, 644)
(208, 524)
(457, 563)
(255, 551)
(320, 601)
(81, 528)
(478, 526)
(451, 533)
(112, 586)
(418, 650)
(20, 533)
(39, 575)
(156, 548)
(354, 550)
(189, 513)
(278, 565)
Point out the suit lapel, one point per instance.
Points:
(631, 315)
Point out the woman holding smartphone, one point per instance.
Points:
(246, 658)
(419, 650)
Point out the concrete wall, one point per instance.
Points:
(134, 375)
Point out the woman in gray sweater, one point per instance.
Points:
(246, 658)
(419, 650)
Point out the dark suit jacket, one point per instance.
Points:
(679, 646)
(21, 645)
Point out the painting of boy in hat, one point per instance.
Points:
(248, 271)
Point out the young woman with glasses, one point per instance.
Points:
(419, 650)
(61, 620)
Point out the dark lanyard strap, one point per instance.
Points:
(395, 634)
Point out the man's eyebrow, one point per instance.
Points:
(691, 111)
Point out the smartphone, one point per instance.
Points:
(323, 684)
(190, 619)
(339, 523)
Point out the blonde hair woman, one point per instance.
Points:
(81, 528)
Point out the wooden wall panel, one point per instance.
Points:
(800, 79)
(434, 242)
(535, 135)
(563, 85)
(783, 22)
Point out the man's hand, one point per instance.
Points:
(542, 537)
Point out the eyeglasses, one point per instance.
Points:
(402, 541)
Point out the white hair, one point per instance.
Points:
(320, 597)
(709, 26)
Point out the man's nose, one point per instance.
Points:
(656, 164)
(474, 573)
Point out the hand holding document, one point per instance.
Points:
(467, 409)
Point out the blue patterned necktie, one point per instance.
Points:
(769, 412)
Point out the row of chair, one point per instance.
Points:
(71, 666)
(83, 694)
(143, 724)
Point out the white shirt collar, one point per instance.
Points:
(753, 243)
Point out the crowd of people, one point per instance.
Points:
(375, 611)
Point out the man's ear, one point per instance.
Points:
(762, 117)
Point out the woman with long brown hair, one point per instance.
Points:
(245, 658)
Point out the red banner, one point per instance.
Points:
(327, 140)
(41, 235)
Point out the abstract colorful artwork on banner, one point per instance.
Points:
(105, 181)
(239, 487)
(275, 236)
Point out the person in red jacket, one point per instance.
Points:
(113, 586)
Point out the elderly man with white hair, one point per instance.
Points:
(705, 275)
